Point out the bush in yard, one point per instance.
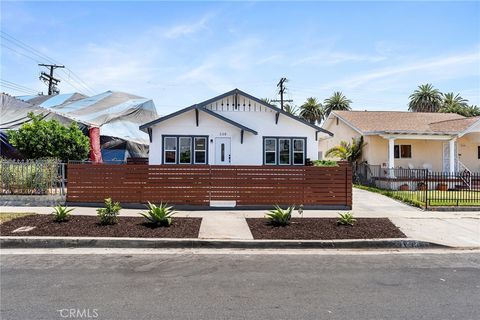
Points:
(41, 138)
(346, 219)
(61, 213)
(280, 217)
(159, 215)
(108, 215)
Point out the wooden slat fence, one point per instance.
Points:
(198, 185)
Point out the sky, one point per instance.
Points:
(182, 53)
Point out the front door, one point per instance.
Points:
(222, 151)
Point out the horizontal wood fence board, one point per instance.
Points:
(198, 185)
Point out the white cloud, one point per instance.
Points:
(185, 29)
(331, 58)
(446, 67)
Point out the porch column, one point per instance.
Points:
(391, 156)
(452, 155)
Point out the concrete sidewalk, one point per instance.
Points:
(457, 229)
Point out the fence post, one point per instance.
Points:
(426, 188)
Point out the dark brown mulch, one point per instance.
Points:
(324, 229)
(88, 226)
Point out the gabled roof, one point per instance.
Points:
(196, 107)
(202, 105)
(378, 122)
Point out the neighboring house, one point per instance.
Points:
(436, 141)
(233, 128)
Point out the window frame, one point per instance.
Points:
(289, 151)
(197, 150)
(274, 152)
(399, 148)
(179, 139)
(303, 152)
(177, 151)
(277, 150)
(165, 150)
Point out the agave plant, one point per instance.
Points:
(160, 215)
(280, 217)
(346, 219)
(61, 213)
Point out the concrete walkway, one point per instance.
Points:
(458, 229)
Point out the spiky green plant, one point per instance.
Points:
(159, 215)
(346, 219)
(108, 215)
(338, 101)
(280, 217)
(61, 213)
(425, 99)
(351, 152)
(312, 110)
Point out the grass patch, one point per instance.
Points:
(7, 216)
(435, 197)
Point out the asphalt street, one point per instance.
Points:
(240, 286)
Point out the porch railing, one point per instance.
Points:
(423, 187)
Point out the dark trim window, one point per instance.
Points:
(185, 149)
(284, 150)
(478, 152)
(402, 151)
(170, 150)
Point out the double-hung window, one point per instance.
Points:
(200, 150)
(185, 150)
(284, 151)
(170, 150)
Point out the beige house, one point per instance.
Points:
(436, 141)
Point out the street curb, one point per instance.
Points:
(142, 243)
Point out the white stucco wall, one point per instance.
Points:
(260, 119)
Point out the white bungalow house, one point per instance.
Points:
(233, 128)
(445, 142)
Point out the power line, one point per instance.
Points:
(17, 87)
(71, 75)
(281, 91)
(49, 78)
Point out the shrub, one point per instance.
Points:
(108, 215)
(159, 215)
(280, 217)
(40, 138)
(61, 213)
(325, 163)
(346, 219)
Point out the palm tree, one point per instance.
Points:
(347, 151)
(312, 110)
(451, 100)
(290, 109)
(268, 101)
(336, 102)
(425, 99)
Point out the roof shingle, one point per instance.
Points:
(406, 122)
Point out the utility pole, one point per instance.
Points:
(281, 90)
(49, 78)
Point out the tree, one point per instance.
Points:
(290, 109)
(312, 110)
(425, 99)
(453, 101)
(268, 101)
(347, 151)
(336, 102)
(41, 138)
(466, 111)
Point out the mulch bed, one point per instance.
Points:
(324, 229)
(88, 226)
